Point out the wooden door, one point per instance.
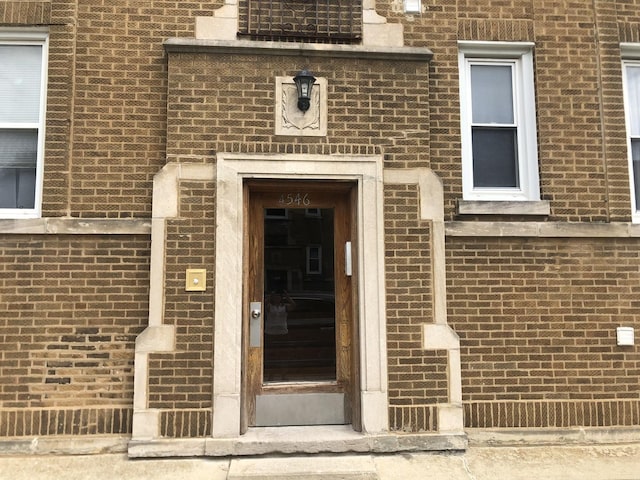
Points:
(299, 323)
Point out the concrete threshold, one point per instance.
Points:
(298, 440)
(356, 467)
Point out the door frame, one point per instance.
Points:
(231, 172)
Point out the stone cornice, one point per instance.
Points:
(249, 47)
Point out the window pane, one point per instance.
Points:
(635, 153)
(17, 187)
(300, 320)
(313, 260)
(18, 148)
(20, 83)
(492, 94)
(495, 157)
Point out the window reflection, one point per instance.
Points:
(299, 333)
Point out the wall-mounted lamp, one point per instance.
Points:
(304, 83)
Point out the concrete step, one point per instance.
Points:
(332, 467)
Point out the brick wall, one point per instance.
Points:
(180, 382)
(569, 128)
(536, 317)
(581, 136)
(71, 310)
(537, 320)
(106, 118)
(417, 378)
(22, 12)
(227, 103)
(216, 104)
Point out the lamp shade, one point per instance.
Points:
(304, 81)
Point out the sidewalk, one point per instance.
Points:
(592, 462)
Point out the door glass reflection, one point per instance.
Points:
(299, 323)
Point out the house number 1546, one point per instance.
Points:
(300, 199)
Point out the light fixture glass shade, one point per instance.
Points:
(304, 81)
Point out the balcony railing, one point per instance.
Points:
(322, 21)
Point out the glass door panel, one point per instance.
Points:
(299, 284)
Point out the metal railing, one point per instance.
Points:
(323, 21)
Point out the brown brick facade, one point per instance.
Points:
(537, 321)
(212, 108)
(72, 309)
(417, 378)
(182, 380)
(536, 315)
(25, 12)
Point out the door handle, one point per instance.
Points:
(347, 259)
(255, 324)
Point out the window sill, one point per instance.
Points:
(537, 208)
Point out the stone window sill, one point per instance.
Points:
(537, 208)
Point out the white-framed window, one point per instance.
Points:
(314, 259)
(631, 92)
(312, 212)
(23, 84)
(498, 121)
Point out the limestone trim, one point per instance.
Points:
(290, 120)
(366, 172)
(437, 335)
(75, 226)
(158, 337)
(471, 207)
(249, 47)
(542, 229)
(475, 228)
(376, 31)
(223, 25)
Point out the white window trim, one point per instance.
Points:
(12, 36)
(630, 56)
(520, 54)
